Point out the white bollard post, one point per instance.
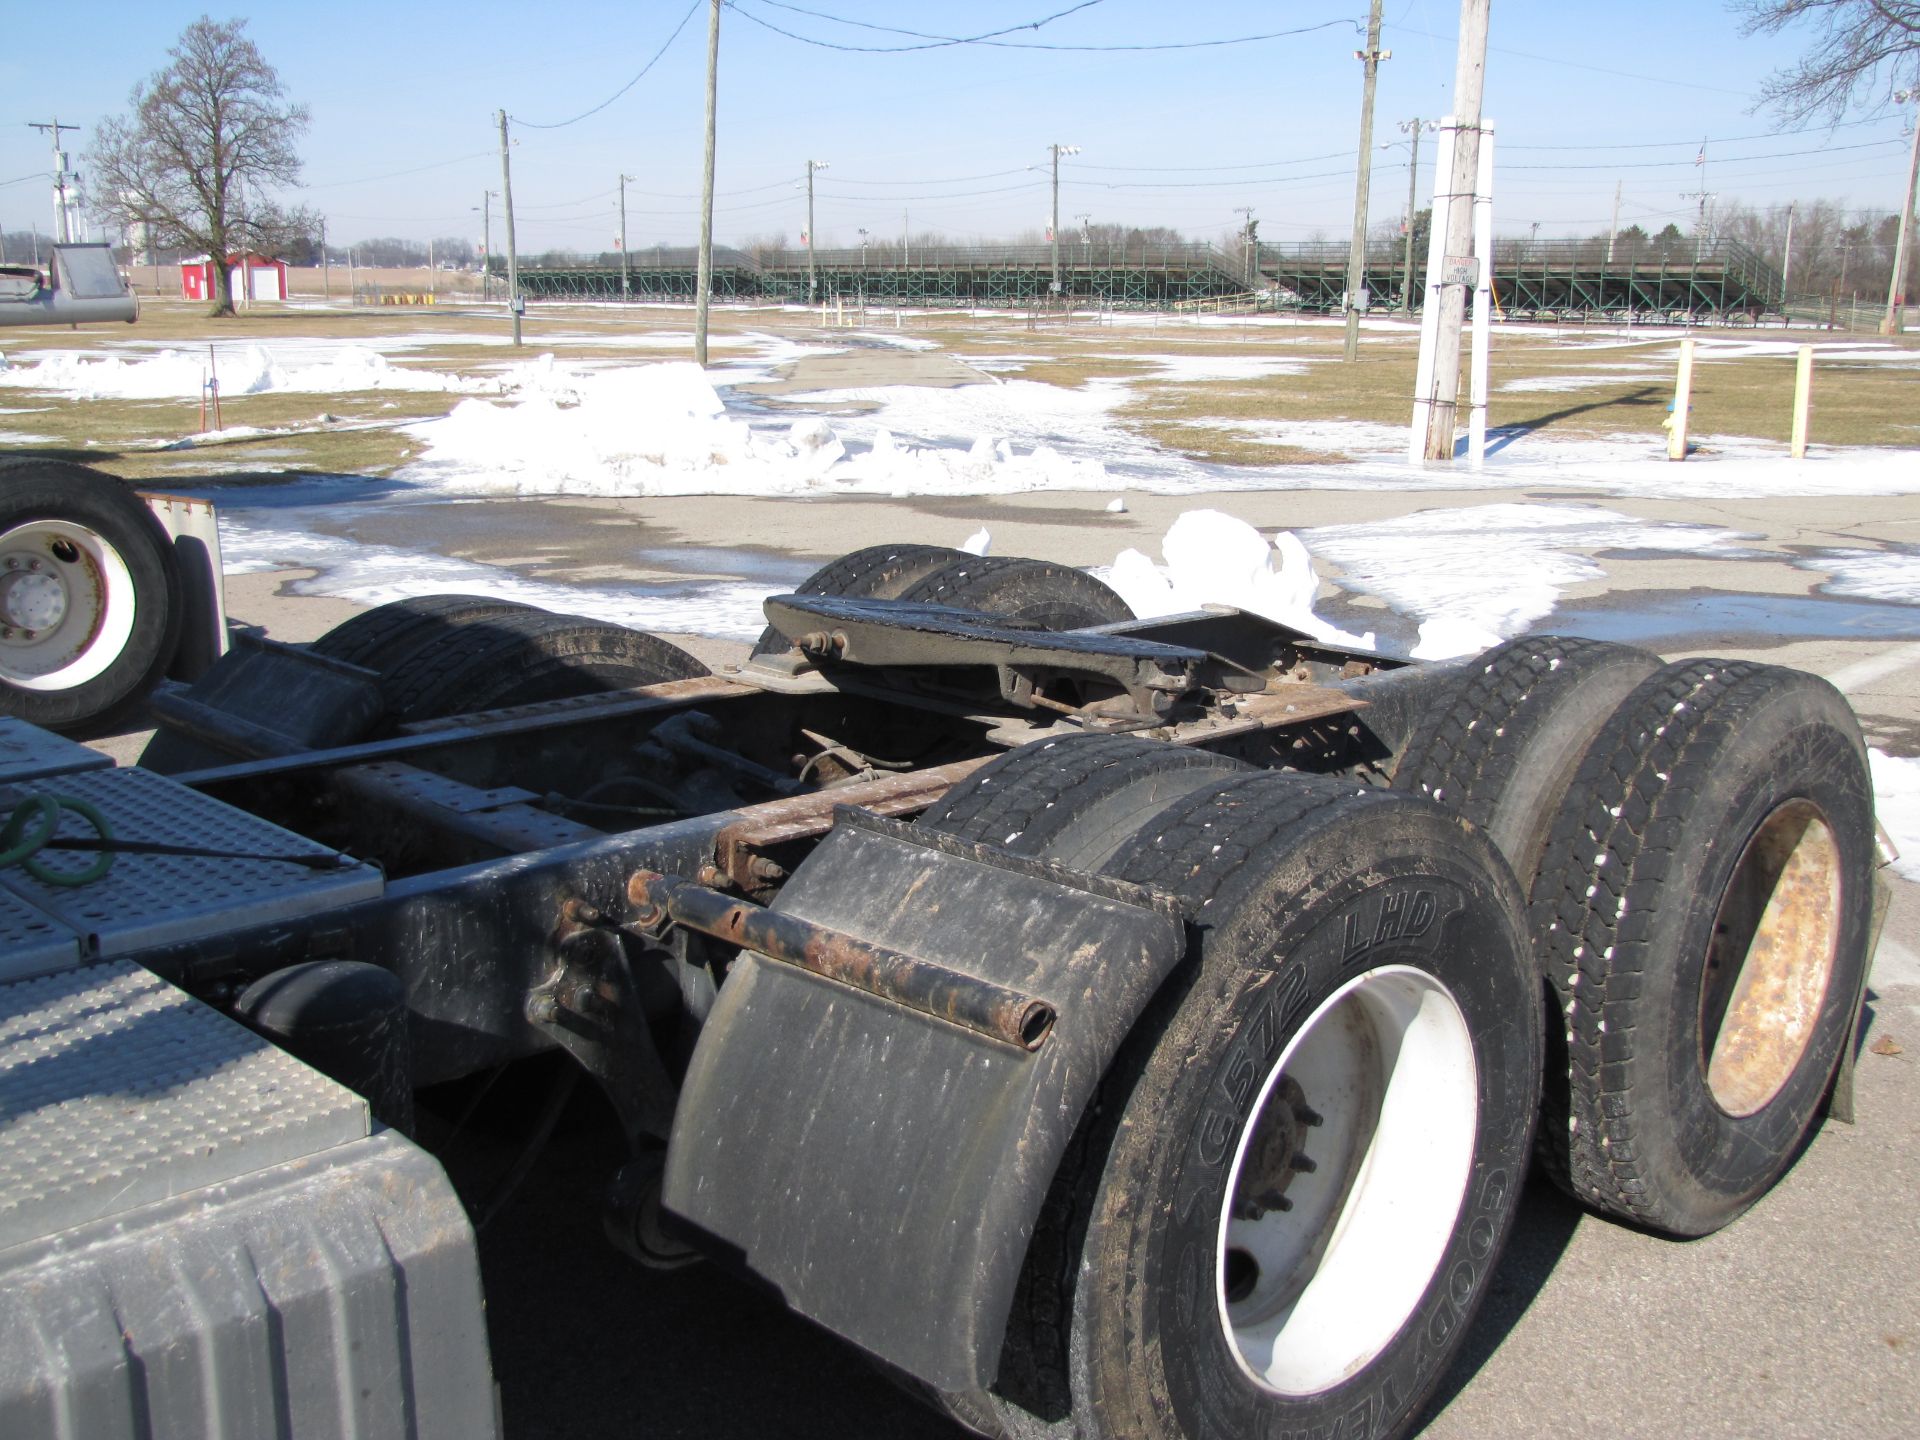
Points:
(1802, 399)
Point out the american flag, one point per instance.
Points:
(1701, 158)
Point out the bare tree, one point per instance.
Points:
(1864, 51)
(207, 137)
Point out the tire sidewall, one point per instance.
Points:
(1277, 954)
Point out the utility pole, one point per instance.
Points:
(1897, 287)
(1786, 254)
(62, 229)
(1613, 225)
(1246, 244)
(1057, 151)
(485, 207)
(813, 278)
(514, 303)
(1452, 277)
(703, 271)
(1412, 129)
(626, 284)
(903, 237)
(1357, 253)
(326, 272)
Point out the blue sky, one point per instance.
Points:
(955, 139)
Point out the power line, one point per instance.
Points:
(1193, 169)
(1724, 160)
(1576, 65)
(952, 180)
(1711, 139)
(563, 204)
(1276, 181)
(396, 174)
(562, 124)
(935, 42)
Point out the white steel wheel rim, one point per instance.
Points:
(1384, 1072)
(66, 605)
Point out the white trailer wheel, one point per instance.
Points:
(1346, 1187)
(91, 603)
(66, 605)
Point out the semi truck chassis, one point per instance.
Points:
(1159, 1002)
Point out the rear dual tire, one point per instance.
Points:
(1703, 912)
(1361, 996)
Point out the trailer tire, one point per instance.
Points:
(1075, 800)
(1334, 929)
(91, 574)
(878, 572)
(1703, 910)
(1504, 748)
(1035, 593)
(521, 658)
(377, 639)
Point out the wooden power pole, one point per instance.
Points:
(704, 281)
(1357, 252)
(1449, 282)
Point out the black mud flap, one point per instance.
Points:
(884, 1168)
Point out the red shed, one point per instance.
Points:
(255, 277)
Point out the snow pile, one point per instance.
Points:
(1476, 575)
(1214, 559)
(1896, 801)
(663, 430)
(241, 370)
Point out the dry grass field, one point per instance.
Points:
(1218, 391)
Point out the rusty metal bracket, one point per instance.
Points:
(590, 1008)
(996, 1011)
(740, 850)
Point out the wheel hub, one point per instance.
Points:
(66, 604)
(32, 598)
(1277, 1153)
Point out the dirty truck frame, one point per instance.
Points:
(1182, 1058)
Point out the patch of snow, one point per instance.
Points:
(896, 340)
(241, 370)
(1489, 571)
(1186, 369)
(1892, 575)
(1896, 802)
(978, 542)
(375, 574)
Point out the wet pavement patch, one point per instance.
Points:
(1675, 619)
